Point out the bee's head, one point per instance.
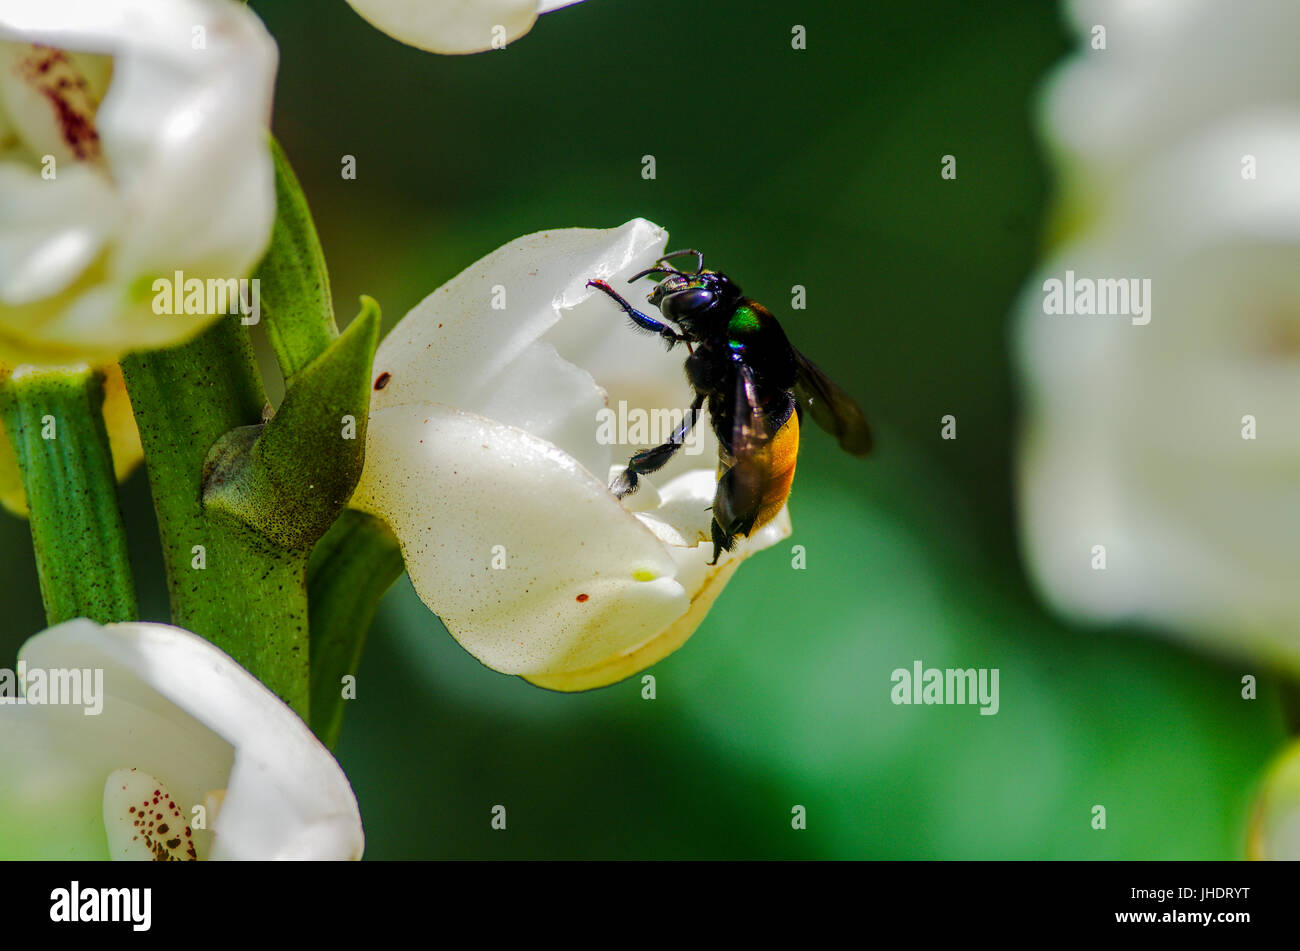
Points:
(688, 299)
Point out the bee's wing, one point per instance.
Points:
(744, 485)
(749, 429)
(832, 408)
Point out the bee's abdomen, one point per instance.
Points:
(782, 452)
(770, 472)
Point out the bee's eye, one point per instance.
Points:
(687, 302)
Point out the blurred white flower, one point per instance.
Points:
(455, 26)
(180, 725)
(1275, 827)
(482, 455)
(1169, 69)
(133, 145)
(1134, 438)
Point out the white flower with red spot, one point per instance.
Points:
(483, 455)
(188, 756)
(133, 145)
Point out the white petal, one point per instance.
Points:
(1134, 440)
(1169, 70)
(714, 578)
(636, 371)
(587, 590)
(681, 519)
(454, 486)
(455, 26)
(179, 709)
(183, 150)
(455, 348)
(50, 236)
(483, 446)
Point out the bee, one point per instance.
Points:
(757, 387)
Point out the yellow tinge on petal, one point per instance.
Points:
(123, 434)
(624, 665)
(12, 496)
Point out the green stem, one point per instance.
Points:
(357, 559)
(227, 583)
(55, 421)
(352, 567)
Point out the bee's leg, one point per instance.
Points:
(721, 541)
(642, 321)
(736, 504)
(652, 460)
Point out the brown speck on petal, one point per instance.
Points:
(160, 834)
(53, 75)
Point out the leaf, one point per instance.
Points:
(350, 570)
(294, 286)
(289, 478)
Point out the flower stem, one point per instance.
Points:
(55, 421)
(358, 558)
(351, 568)
(227, 583)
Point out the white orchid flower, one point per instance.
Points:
(455, 26)
(182, 732)
(133, 146)
(1169, 68)
(1176, 444)
(483, 455)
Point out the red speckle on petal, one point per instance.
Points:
(583, 597)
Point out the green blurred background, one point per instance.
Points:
(816, 167)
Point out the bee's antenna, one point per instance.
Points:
(663, 268)
(657, 269)
(699, 258)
